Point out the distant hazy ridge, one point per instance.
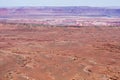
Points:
(59, 11)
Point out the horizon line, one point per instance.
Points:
(61, 6)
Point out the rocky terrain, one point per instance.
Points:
(59, 43)
(66, 21)
(37, 52)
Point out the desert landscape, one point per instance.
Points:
(61, 47)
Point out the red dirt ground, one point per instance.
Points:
(59, 53)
